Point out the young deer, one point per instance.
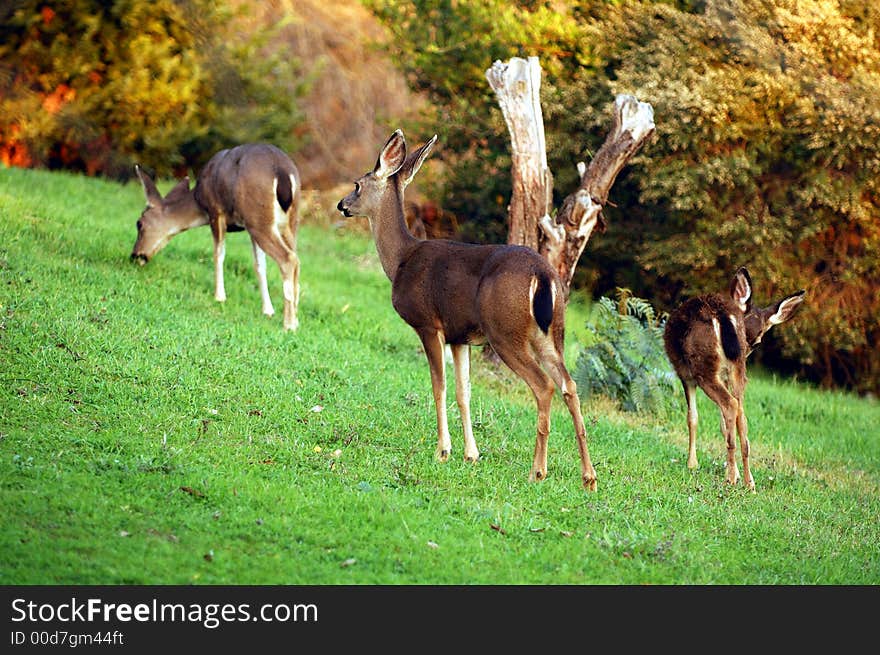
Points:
(464, 294)
(253, 187)
(707, 340)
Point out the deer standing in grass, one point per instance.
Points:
(707, 340)
(464, 294)
(253, 187)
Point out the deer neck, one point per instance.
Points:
(186, 211)
(393, 239)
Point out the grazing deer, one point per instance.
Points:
(465, 294)
(253, 187)
(707, 340)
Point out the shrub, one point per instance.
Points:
(626, 360)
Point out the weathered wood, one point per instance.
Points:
(560, 239)
(517, 84)
(580, 212)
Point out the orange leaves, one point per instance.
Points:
(62, 94)
(12, 151)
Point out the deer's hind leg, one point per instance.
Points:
(730, 408)
(743, 429)
(690, 396)
(260, 269)
(288, 264)
(556, 367)
(523, 363)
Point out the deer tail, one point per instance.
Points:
(729, 339)
(543, 298)
(284, 189)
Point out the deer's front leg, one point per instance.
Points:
(461, 359)
(433, 343)
(218, 230)
(690, 394)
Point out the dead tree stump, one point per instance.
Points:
(561, 239)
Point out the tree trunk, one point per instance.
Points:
(517, 85)
(562, 239)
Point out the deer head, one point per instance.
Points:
(371, 189)
(163, 218)
(758, 320)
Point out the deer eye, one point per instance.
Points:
(357, 187)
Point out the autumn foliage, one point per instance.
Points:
(96, 86)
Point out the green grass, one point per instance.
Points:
(149, 435)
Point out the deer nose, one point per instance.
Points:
(140, 259)
(339, 206)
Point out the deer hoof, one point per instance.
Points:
(692, 464)
(537, 475)
(293, 326)
(442, 455)
(473, 457)
(590, 481)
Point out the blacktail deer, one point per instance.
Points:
(253, 187)
(707, 340)
(465, 294)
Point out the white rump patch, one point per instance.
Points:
(280, 216)
(533, 287)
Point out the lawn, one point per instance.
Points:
(150, 435)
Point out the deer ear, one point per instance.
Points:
(180, 189)
(787, 307)
(154, 198)
(392, 157)
(741, 289)
(414, 162)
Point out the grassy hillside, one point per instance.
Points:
(149, 435)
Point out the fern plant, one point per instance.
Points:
(626, 360)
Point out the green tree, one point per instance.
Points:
(96, 86)
(767, 154)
